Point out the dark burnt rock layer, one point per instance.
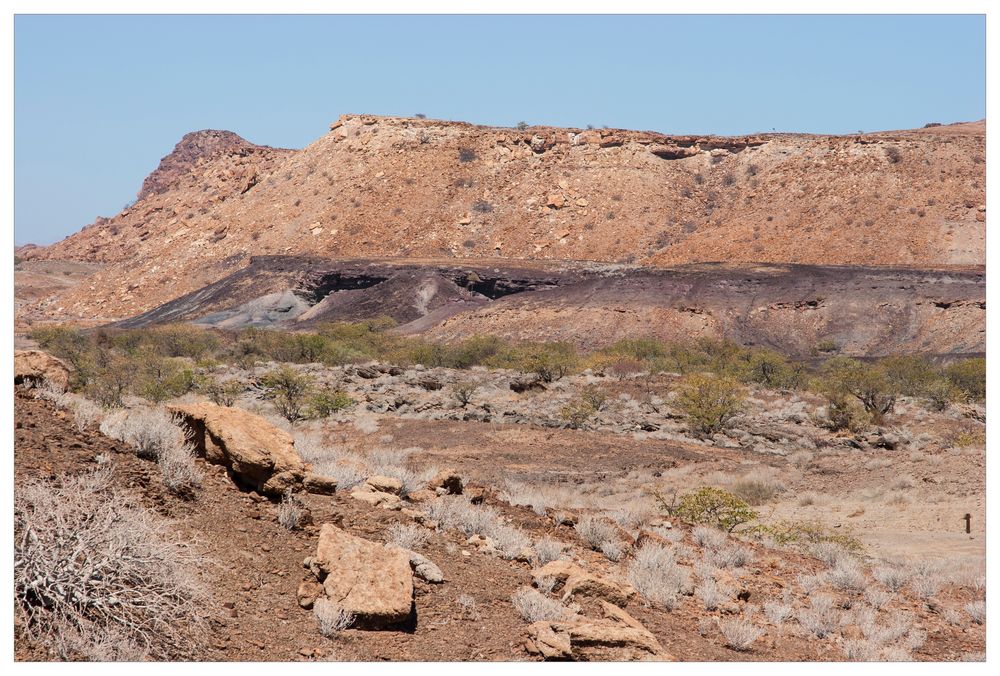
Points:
(864, 310)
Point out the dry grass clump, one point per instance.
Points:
(777, 612)
(820, 617)
(739, 633)
(407, 536)
(656, 575)
(85, 414)
(847, 576)
(96, 577)
(757, 488)
(455, 512)
(290, 511)
(468, 605)
(729, 556)
(331, 618)
(893, 577)
(977, 611)
(538, 498)
(535, 606)
(601, 535)
(156, 435)
(548, 550)
(709, 594)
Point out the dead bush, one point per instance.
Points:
(331, 618)
(656, 575)
(535, 606)
(96, 577)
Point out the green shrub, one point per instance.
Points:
(713, 507)
(868, 383)
(326, 403)
(805, 532)
(223, 392)
(709, 402)
(969, 376)
(909, 375)
(287, 389)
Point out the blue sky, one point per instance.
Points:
(100, 99)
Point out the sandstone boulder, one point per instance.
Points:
(320, 485)
(34, 367)
(575, 582)
(617, 636)
(259, 455)
(368, 579)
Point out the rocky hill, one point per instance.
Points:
(402, 187)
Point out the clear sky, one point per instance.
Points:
(100, 99)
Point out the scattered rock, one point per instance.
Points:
(618, 636)
(368, 579)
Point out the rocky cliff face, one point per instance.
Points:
(400, 187)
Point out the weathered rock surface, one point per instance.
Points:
(34, 367)
(258, 454)
(574, 582)
(369, 579)
(618, 636)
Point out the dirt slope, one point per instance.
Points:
(376, 187)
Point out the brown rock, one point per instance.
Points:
(556, 201)
(385, 484)
(618, 636)
(365, 578)
(448, 479)
(259, 454)
(320, 485)
(574, 581)
(34, 367)
(308, 592)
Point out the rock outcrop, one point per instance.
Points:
(258, 454)
(34, 367)
(574, 582)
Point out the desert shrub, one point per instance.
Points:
(893, 154)
(482, 207)
(463, 392)
(867, 383)
(407, 536)
(290, 511)
(777, 612)
(739, 633)
(977, 611)
(910, 375)
(223, 392)
(549, 361)
(843, 413)
(808, 533)
(85, 414)
(847, 576)
(287, 389)
(597, 532)
(730, 556)
(522, 125)
(539, 498)
(178, 469)
(160, 378)
(548, 550)
(770, 369)
(755, 491)
(709, 594)
(969, 376)
(71, 345)
(347, 469)
(656, 575)
(331, 618)
(149, 432)
(327, 402)
(820, 617)
(709, 402)
(827, 346)
(577, 412)
(534, 606)
(466, 155)
(110, 380)
(713, 507)
(96, 577)
(468, 605)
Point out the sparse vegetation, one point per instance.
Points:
(709, 402)
(96, 577)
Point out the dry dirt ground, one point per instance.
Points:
(253, 565)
